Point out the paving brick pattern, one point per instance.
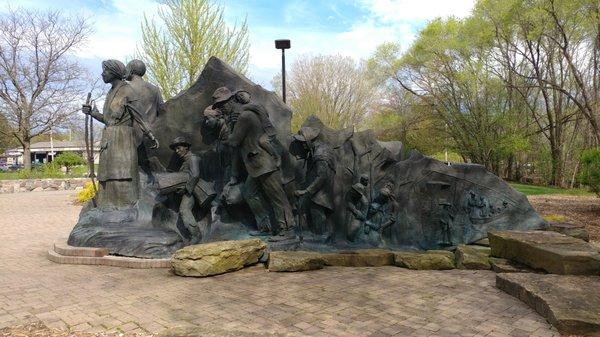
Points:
(335, 301)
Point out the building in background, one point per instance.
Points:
(44, 152)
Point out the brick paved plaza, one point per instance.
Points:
(384, 301)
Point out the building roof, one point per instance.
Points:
(75, 145)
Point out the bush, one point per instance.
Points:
(47, 170)
(87, 193)
(590, 170)
(68, 160)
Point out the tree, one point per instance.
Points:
(41, 85)
(7, 141)
(68, 160)
(448, 69)
(332, 87)
(590, 172)
(543, 49)
(194, 30)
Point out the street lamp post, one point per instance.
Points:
(283, 45)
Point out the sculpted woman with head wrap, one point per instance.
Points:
(118, 168)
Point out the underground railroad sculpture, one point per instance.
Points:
(232, 169)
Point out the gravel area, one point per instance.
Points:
(575, 209)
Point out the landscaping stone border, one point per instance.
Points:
(34, 185)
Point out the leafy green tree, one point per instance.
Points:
(7, 139)
(448, 69)
(186, 34)
(68, 160)
(590, 170)
(544, 49)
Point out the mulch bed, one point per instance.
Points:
(575, 209)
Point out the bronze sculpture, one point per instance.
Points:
(241, 143)
(118, 168)
(257, 157)
(317, 193)
(357, 205)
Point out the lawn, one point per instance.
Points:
(547, 190)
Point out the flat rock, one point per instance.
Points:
(216, 257)
(507, 266)
(553, 252)
(468, 257)
(295, 261)
(360, 258)
(429, 260)
(483, 249)
(576, 231)
(483, 242)
(570, 303)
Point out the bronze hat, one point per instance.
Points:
(222, 94)
(179, 141)
(307, 134)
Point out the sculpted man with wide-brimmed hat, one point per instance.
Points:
(250, 135)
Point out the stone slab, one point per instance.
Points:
(483, 242)
(468, 257)
(553, 252)
(360, 258)
(429, 260)
(575, 230)
(217, 257)
(507, 266)
(64, 249)
(482, 249)
(295, 261)
(112, 261)
(570, 303)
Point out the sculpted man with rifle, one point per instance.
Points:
(118, 168)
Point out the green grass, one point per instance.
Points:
(539, 190)
(44, 172)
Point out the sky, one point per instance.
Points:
(349, 28)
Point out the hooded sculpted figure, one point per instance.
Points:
(118, 168)
(149, 101)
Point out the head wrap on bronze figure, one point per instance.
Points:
(116, 67)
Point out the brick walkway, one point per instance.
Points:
(339, 301)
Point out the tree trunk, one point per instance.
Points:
(557, 166)
(509, 167)
(26, 153)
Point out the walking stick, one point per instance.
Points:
(89, 136)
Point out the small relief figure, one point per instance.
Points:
(316, 198)
(254, 154)
(485, 207)
(479, 208)
(381, 214)
(446, 222)
(215, 122)
(195, 191)
(118, 168)
(357, 205)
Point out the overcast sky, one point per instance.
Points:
(350, 28)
